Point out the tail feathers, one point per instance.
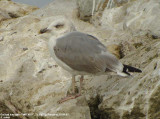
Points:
(127, 69)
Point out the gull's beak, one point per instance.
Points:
(44, 30)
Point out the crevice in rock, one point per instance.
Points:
(13, 15)
(100, 113)
(93, 105)
(95, 111)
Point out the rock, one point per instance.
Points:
(31, 81)
(27, 54)
(70, 11)
(90, 10)
(9, 9)
(144, 20)
(3, 15)
(87, 8)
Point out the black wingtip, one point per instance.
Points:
(128, 68)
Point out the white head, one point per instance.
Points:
(59, 26)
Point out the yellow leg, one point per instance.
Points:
(74, 95)
(81, 85)
(73, 84)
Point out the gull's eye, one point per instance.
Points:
(58, 26)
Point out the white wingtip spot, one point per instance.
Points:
(122, 74)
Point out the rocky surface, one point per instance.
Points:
(87, 8)
(31, 82)
(9, 9)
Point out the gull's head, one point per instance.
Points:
(58, 27)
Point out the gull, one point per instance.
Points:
(81, 54)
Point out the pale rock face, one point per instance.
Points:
(31, 81)
(4, 15)
(138, 17)
(29, 75)
(15, 10)
(87, 8)
(91, 10)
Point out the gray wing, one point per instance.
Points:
(83, 52)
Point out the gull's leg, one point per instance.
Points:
(73, 84)
(74, 95)
(81, 85)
